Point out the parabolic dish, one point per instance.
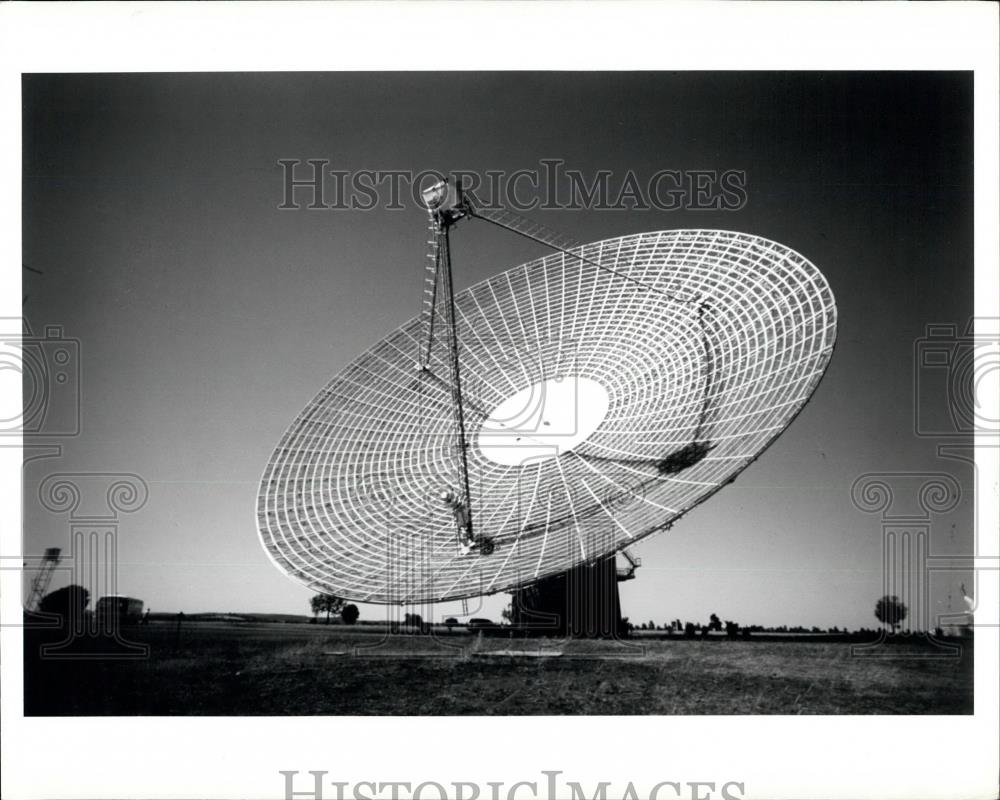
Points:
(598, 412)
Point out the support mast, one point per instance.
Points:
(446, 206)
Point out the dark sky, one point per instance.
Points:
(207, 317)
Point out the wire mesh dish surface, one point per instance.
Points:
(633, 402)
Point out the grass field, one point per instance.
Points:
(224, 668)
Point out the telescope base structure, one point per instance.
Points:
(582, 603)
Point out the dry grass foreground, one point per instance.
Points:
(274, 669)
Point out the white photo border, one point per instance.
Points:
(774, 757)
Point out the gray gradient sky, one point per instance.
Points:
(208, 318)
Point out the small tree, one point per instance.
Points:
(349, 614)
(329, 603)
(69, 602)
(890, 610)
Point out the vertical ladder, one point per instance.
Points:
(428, 310)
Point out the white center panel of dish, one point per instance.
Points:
(544, 420)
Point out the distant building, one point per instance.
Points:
(119, 608)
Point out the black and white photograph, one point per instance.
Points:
(449, 401)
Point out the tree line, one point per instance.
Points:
(889, 610)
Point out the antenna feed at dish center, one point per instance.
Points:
(446, 200)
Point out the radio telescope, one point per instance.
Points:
(517, 435)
